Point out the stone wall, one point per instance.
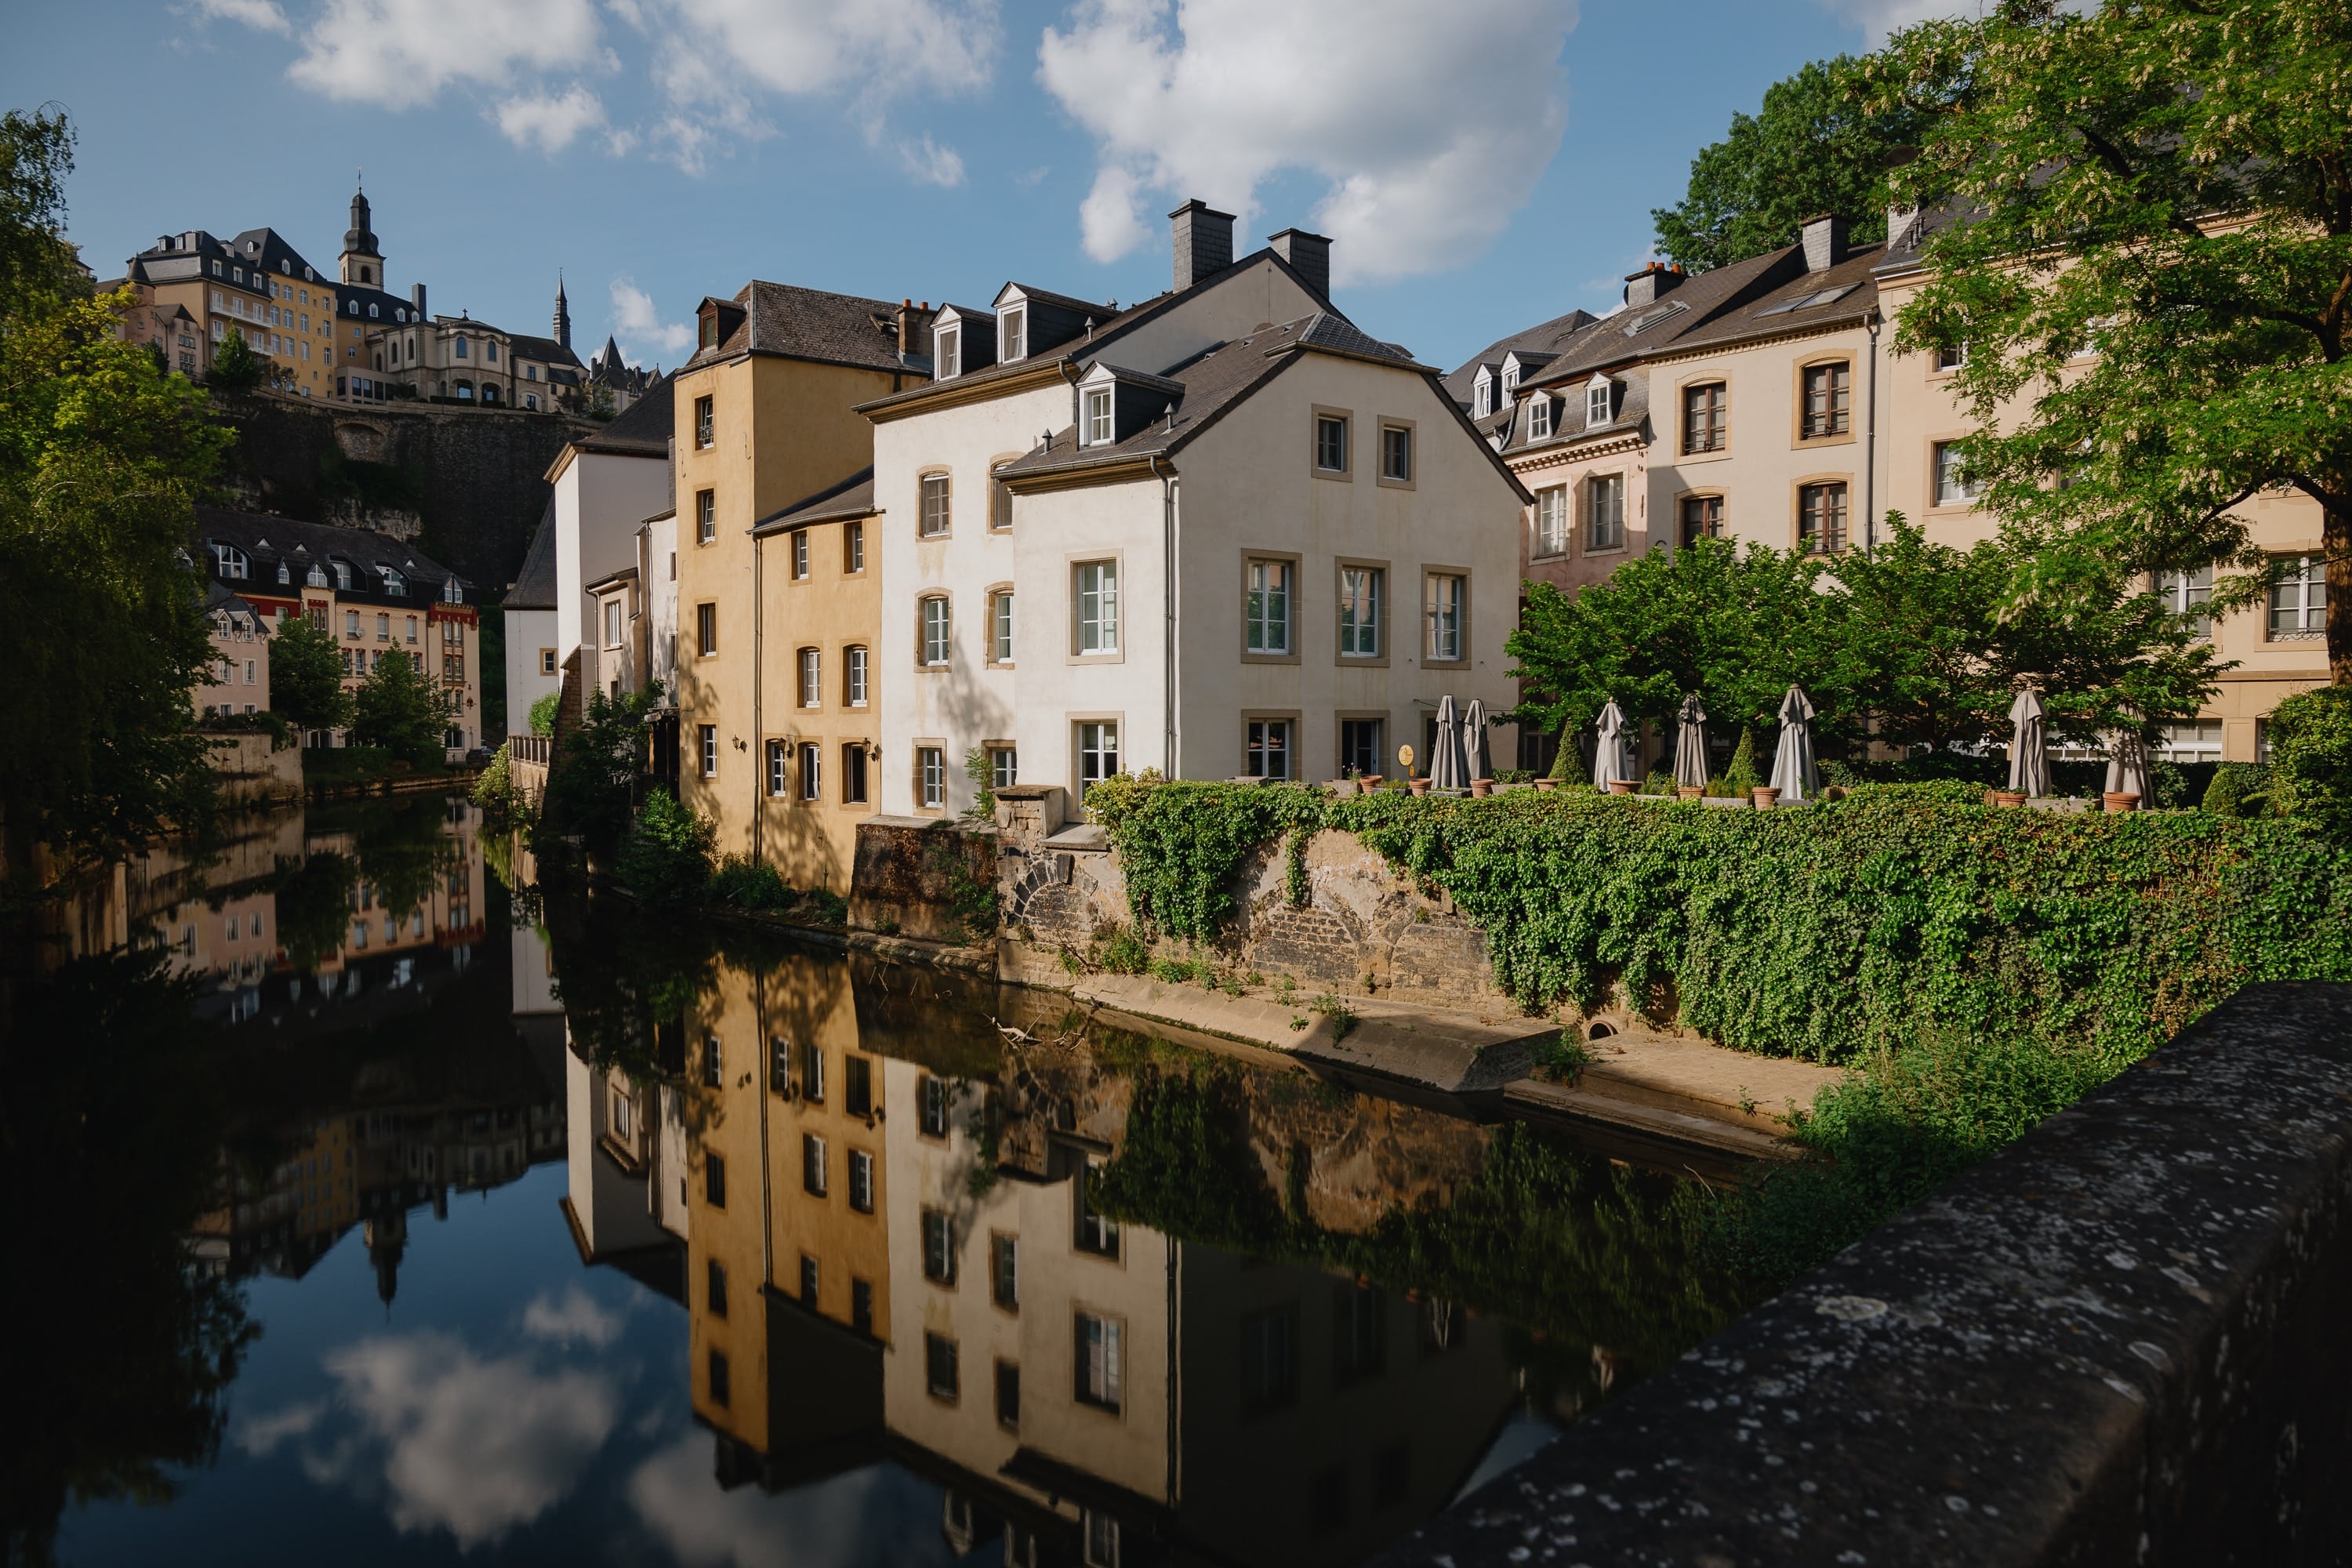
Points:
(1365, 929)
(468, 484)
(902, 882)
(250, 773)
(2119, 1341)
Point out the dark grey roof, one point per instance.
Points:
(219, 596)
(269, 540)
(966, 313)
(641, 430)
(852, 496)
(809, 323)
(1330, 330)
(543, 349)
(534, 586)
(1765, 309)
(1101, 312)
(1544, 337)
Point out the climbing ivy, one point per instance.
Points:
(1835, 933)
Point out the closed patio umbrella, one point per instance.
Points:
(1690, 744)
(1474, 741)
(2128, 762)
(1793, 772)
(2029, 752)
(1445, 758)
(1609, 757)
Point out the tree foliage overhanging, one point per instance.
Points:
(2151, 276)
(306, 676)
(397, 709)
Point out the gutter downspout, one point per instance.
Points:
(1168, 566)
(759, 657)
(1870, 447)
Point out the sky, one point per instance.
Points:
(1480, 165)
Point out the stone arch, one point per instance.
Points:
(362, 441)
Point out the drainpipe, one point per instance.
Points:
(759, 657)
(1870, 447)
(1168, 657)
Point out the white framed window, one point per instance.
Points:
(2200, 741)
(709, 749)
(1004, 767)
(853, 690)
(1098, 1356)
(799, 554)
(1954, 487)
(1097, 607)
(1000, 626)
(778, 770)
(2189, 594)
(930, 776)
(1604, 514)
(2298, 598)
(935, 631)
(1510, 382)
(1098, 422)
(937, 499)
(706, 516)
(1482, 397)
(612, 624)
(1267, 748)
(861, 1181)
(233, 562)
(1551, 521)
(1952, 358)
(1599, 403)
(1539, 419)
(1013, 334)
(1396, 452)
(1098, 754)
(1265, 610)
(812, 661)
(1331, 443)
(853, 547)
(947, 353)
(1443, 604)
(811, 771)
(1361, 589)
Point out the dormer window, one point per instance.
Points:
(1013, 335)
(1599, 401)
(1510, 383)
(318, 577)
(452, 594)
(284, 576)
(1482, 396)
(372, 312)
(393, 583)
(1099, 423)
(946, 354)
(232, 561)
(344, 575)
(1539, 419)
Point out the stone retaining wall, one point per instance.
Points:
(902, 882)
(2119, 1341)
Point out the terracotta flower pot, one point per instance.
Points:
(1620, 786)
(1546, 786)
(1689, 791)
(1419, 787)
(2009, 798)
(2120, 800)
(1767, 796)
(1482, 787)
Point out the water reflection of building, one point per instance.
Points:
(888, 1254)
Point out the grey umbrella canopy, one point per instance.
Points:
(2127, 761)
(1608, 756)
(1445, 760)
(1690, 744)
(2029, 751)
(1474, 741)
(1793, 772)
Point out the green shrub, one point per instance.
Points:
(748, 884)
(2240, 790)
(1947, 791)
(1125, 952)
(1660, 782)
(1739, 779)
(666, 859)
(2310, 758)
(542, 713)
(1564, 1055)
(828, 906)
(495, 791)
(1175, 971)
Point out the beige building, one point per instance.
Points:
(765, 427)
(256, 285)
(239, 673)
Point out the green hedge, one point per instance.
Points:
(1831, 933)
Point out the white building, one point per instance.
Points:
(534, 657)
(606, 486)
(1221, 533)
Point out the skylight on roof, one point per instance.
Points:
(1819, 297)
(1648, 318)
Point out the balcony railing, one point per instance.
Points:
(527, 749)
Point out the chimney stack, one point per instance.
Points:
(1898, 218)
(1824, 242)
(1203, 242)
(416, 301)
(1644, 287)
(1310, 255)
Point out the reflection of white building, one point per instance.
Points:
(621, 1138)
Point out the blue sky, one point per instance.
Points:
(1480, 164)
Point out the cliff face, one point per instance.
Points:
(467, 484)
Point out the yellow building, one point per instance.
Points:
(769, 460)
(255, 285)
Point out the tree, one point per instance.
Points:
(102, 459)
(2152, 278)
(306, 676)
(236, 368)
(599, 774)
(1810, 150)
(397, 709)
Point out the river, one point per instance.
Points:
(375, 1210)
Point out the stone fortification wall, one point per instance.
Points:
(905, 880)
(2119, 1341)
(468, 484)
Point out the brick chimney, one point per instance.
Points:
(1644, 287)
(1310, 255)
(1203, 242)
(1824, 242)
(915, 327)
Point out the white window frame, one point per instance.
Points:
(812, 764)
(1098, 743)
(1361, 589)
(812, 667)
(1269, 740)
(1269, 600)
(947, 353)
(799, 554)
(1604, 513)
(778, 770)
(855, 671)
(1600, 402)
(1551, 521)
(1093, 591)
(937, 631)
(1943, 464)
(1012, 333)
(930, 777)
(1099, 424)
(1538, 418)
(938, 488)
(1445, 609)
(2299, 592)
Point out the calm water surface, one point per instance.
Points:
(383, 1214)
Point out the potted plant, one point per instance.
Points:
(1417, 785)
(1689, 791)
(2120, 800)
(2008, 797)
(1766, 796)
(1620, 786)
(1480, 788)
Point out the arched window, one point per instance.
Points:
(490, 353)
(355, 305)
(393, 583)
(465, 391)
(371, 311)
(233, 562)
(461, 348)
(367, 274)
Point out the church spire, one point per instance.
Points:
(562, 312)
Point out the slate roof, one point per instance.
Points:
(271, 540)
(1544, 337)
(852, 496)
(546, 350)
(641, 430)
(534, 586)
(810, 324)
(1101, 312)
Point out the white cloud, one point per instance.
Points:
(261, 13)
(549, 123)
(576, 1318)
(474, 1447)
(931, 164)
(1430, 125)
(258, 1435)
(400, 54)
(1878, 18)
(879, 1515)
(635, 319)
(800, 47)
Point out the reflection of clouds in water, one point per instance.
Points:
(576, 1318)
(468, 1446)
(880, 1515)
(260, 1434)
